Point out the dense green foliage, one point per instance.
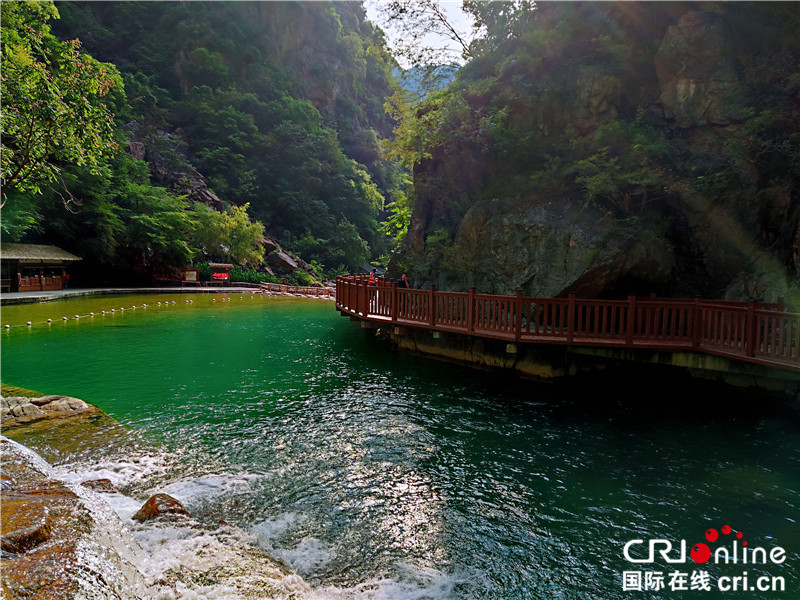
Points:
(55, 104)
(563, 100)
(245, 119)
(280, 105)
(123, 223)
(272, 111)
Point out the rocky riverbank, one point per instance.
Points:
(21, 410)
(66, 539)
(56, 543)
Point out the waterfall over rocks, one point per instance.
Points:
(62, 540)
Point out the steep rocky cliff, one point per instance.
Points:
(614, 148)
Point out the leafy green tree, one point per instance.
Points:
(124, 227)
(57, 106)
(353, 250)
(297, 137)
(228, 236)
(395, 225)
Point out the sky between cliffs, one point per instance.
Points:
(460, 20)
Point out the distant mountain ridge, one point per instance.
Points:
(422, 80)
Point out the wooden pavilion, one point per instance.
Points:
(34, 267)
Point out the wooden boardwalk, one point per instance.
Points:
(748, 331)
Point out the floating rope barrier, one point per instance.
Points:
(160, 303)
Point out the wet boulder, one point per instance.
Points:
(53, 546)
(160, 505)
(17, 410)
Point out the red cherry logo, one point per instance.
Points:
(726, 529)
(700, 553)
(712, 535)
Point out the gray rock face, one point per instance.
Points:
(551, 249)
(696, 72)
(710, 210)
(281, 260)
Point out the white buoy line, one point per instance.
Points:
(123, 309)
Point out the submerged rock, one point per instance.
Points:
(160, 505)
(104, 486)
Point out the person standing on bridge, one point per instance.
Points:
(402, 284)
(372, 280)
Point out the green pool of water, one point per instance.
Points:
(378, 475)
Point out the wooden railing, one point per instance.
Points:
(37, 283)
(750, 331)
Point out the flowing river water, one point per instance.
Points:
(377, 475)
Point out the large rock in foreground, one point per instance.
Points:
(52, 546)
(63, 541)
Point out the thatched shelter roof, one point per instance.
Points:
(35, 252)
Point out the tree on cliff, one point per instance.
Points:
(609, 148)
(56, 100)
(64, 179)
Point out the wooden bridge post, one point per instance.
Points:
(750, 327)
(432, 305)
(471, 310)
(394, 303)
(697, 326)
(570, 317)
(630, 322)
(518, 322)
(365, 299)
